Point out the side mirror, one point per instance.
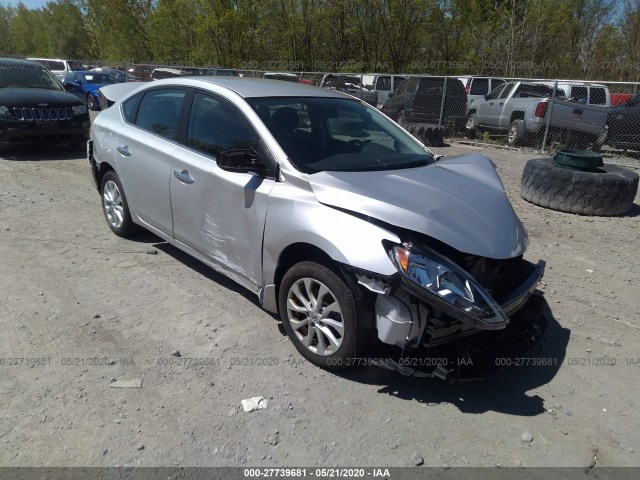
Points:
(68, 86)
(486, 97)
(241, 160)
(390, 94)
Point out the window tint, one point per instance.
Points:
(130, 108)
(494, 94)
(51, 65)
(383, 83)
(598, 96)
(159, 111)
(215, 125)
(336, 134)
(479, 86)
(507, 90)
(402, 87)
(579, 94)
(495, 83)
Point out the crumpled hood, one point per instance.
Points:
(459, 201)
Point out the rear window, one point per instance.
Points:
(51, 65)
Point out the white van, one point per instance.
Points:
(383, 84)
(583, 92)
(60, 68)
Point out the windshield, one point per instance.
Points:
(98, 78)
(338, 134)
(27, 76)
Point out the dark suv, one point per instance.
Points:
(419, 100)
(34, 108)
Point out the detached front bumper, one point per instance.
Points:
(518, 297)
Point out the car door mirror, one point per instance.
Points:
(486, 97)
(68, 86)
(390, 94)
(241, 160)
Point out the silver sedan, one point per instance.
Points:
(334, 216)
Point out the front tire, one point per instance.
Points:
(91, 103)
(471, 127)
(516, 135)
(115, 206)
(318, 313)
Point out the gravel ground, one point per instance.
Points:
(73, 292)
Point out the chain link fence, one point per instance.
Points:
(541, 114)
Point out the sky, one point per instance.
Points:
(27, 3)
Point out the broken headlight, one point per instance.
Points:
(447, 286)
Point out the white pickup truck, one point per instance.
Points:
(521, 109)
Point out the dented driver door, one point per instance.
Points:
(218, 213)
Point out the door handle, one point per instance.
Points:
(490, 103)
(183, 176)
(501, 103)
(124, 150)
(577, 111)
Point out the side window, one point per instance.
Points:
(130, 108)
(495, 83)
(494, 94)
(159, 111)
(215, 125)
(507, 90)
(402, 88)
(383, 83)
(579, 94)
(479, 86)
(598, 96)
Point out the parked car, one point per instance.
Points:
(350, 84)
(142, 71)
(286, 76)
(624, 125)
(315, 202)
(35, 109)
(478, 87)
(120, 75)
(520, 109)
(85, 85)
(59, 67)
(585, 93)
(420, 100)
(219, 72)
(383, 85)
(172, 72)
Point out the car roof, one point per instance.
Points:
(256, 87)
(19, 62)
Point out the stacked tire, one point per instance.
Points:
(606, 191)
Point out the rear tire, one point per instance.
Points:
(318, 313)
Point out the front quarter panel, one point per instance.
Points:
(295, 216)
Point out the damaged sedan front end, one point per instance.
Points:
(342, 223)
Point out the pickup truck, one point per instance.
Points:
(521, 109)
(350, 84)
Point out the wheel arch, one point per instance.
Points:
(517, 115)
